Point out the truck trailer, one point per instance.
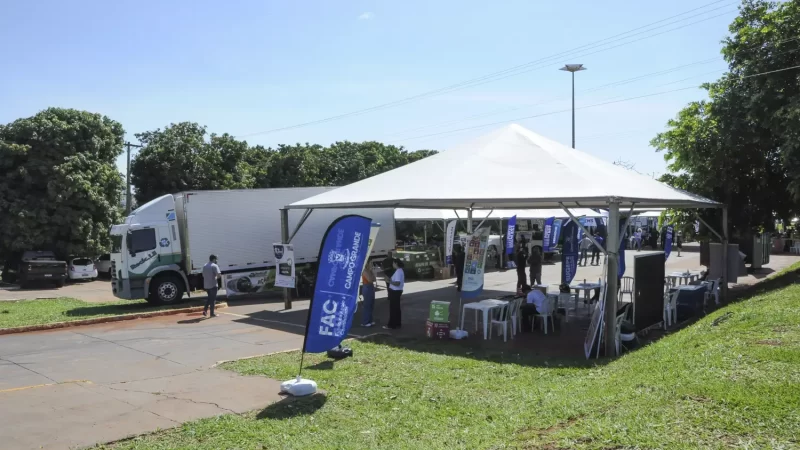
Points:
(159, 251)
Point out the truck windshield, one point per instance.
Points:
(116, 243)
(142, 240)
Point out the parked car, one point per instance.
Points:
(103, 265)
(32, 266)
(82, 269)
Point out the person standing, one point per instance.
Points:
(520, 262)
(585, 244)
(211, 274)
(459, 258)
(396, 284)
(387, 266)
(368, 292)
(535, 262)
(637, 239)
(596, 248)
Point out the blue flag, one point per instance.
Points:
(512, 229)
(668, 241)
(342, 255)
(547, 236)
(569, 252)
(555, 234)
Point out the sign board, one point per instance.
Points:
(475, 263)
(284, 260)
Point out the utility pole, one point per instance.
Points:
(128, 179)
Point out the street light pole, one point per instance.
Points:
(572, 68)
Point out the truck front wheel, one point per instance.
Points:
(165, 290)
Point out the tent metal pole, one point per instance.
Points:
(457, 216)
(624, 231)
(469, 220)
(612, 280)
(485, 219)
(709, 227)
(585, 231)
(724, 284)
(285, 239)
(299, 224)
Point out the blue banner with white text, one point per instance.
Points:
(569, 252)
(547, 234)
(342, 255)
(555, 234)
(512, 229)
(668, 241)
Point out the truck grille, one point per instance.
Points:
(113, 270)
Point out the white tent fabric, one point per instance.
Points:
(448, 214)
(536, 172)
(649, 214)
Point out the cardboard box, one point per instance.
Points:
(437, 330)
(439, 311)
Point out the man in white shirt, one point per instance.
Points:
(535, 303)
(211, 274)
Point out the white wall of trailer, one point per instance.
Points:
(240, 226)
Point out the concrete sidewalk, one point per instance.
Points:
(77, 387)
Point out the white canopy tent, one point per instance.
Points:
(546, 174)
(451, 214)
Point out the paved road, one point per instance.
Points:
(76, 387)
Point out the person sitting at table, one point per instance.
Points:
(535, 302)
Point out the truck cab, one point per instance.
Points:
(146, 257)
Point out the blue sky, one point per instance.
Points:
(244, 67)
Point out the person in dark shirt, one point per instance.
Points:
(520, 260)
(596, 249)
(387, 266)
(535, 262)
(459, 258)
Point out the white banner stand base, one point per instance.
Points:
(299, 387)
(458, 334)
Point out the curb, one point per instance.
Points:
(77, 323)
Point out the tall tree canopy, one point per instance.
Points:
(742, 145)
(181, 157)
(59, 185)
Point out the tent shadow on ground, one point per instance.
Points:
(291, 407)
(562, 346)
(127, 308)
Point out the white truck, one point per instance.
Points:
(159, 251)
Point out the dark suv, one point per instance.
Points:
(32, 266)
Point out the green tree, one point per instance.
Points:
(741, 145)
(59, 185)
(182, 157)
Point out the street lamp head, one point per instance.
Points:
(573, 68)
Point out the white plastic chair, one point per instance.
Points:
(501, 320)
(795, 248)
(626, 287)
(670, 315)
(564, 299)
(551, 306)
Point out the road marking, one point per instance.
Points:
(44, 385)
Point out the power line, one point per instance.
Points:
(492, 76)
(597, 88)
(593, 105)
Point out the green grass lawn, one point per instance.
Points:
(20, 313)
(731, 380)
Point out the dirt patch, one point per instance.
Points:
(770, 342)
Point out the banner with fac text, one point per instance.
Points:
(512, 229)
(475, 263)
(344, 250)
